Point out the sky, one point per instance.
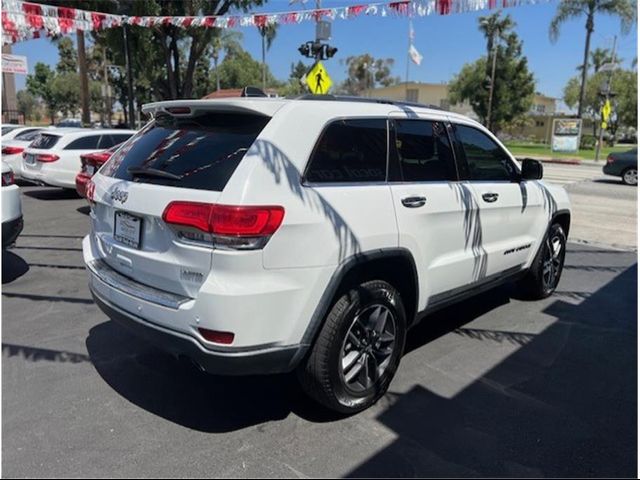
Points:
(446, 43)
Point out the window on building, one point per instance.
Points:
(412, 95)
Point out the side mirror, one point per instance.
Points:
(531, 169)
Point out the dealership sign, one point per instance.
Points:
(566, 135)
(14, 64)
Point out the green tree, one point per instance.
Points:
(514, 86)
(364, 72)
(27, 103)
(624, 85)
(68, 57)
(294, 85)
(239, 69)
(65, 89)
(224, 40)
(39, 84)
(625, 10)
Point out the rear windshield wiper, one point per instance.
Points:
(152, 172)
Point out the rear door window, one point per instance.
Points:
(200, 152)
(44, 141)
(424, 151)
(352, 150)
(90, 142)
(27, 135)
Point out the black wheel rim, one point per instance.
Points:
(368, 348)
(552, 261)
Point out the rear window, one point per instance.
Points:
(44, 141)
(350, 151)
(197, 152)
(27, 135)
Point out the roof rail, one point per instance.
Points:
(348, 98)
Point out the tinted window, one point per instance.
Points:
(424, 151)
(89, 142)
(197, 152)
(485, 158)
(8, 129)
(44, 141)
(27, 135)
(350, 151)
(110, 140)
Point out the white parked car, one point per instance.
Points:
(54, 157)
(266, 235)
(12, 149)
(10, 132)
(11, 208)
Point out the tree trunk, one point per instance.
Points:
(585, 62)
(171, 80)
(84, 81)
(215, 65)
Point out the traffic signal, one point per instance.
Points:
(307, 50)
(328, 51)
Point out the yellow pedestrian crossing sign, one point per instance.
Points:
(318, 80)
(606, 111)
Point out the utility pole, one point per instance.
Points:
(607, 95)
(493, 79)
(132, 122)
(84, 83)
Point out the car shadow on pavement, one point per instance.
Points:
(13, 267)
(52, 194)
(564, 404)
(176, 391)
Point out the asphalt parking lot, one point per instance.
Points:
(492, 387)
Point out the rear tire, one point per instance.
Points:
(630, 176)
(358, 350)
(544, 274)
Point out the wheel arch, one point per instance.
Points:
(562, 217)
(394, 265)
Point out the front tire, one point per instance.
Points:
(358, 350)
(544, 274)
(630, 176)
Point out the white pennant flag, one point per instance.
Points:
(415, 55)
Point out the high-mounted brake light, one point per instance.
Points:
(12, 150)
(179, 110)
(237, 227)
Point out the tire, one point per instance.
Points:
(357, 335)
(630, 176)
(544, 274)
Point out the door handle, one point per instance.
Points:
(490, 197)
(414, 202)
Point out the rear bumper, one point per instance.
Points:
(250, 362)
(612, 169)
(10, 231)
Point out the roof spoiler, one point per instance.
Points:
(252, 92)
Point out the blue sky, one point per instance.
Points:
(446, 43)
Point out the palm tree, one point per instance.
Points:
(569, 9)
(600, 57)
(495, 27)
(268, 34)
(223, 40)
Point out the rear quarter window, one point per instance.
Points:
(45, 141)
(348, 151)
(200, 152)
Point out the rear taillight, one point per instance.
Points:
(90, 191)
(610, 159)
(12, 150)
(236, 227)
(7, 179)
(47, 157)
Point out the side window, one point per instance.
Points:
(424, 151)
(106, 141)
(350, 151)
(119, 138)
(89, 142)
(485, 158)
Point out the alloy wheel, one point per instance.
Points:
(552, 262)
(368, 347)
(631, 177)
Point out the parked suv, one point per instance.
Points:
(267, 235)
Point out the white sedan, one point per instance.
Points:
(54, 157)
(11, 208)
(12, 149)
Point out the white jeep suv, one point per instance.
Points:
(267, 235)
